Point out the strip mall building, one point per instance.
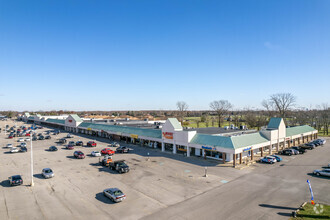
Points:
(173, 138)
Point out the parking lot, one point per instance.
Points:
(154, 182)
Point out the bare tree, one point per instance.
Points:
(182, 108)
(221, 108)
(269, 106)
(324, 118)
(281, 102)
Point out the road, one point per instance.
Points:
(269, 192)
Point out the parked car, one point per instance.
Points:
(23, 144)
(15, 180)
(72, 143)
(14, 150)
(79, 154)
(91, 144)
(41, 137)
(34, 138)
(52, 148)
(62, 140)
(123, 149)
(324, 172)
(9, 146)
(268, 159)
(20, 140)
(48, 137)
(23, 149)
(301, 150)
(69, 147)
(96, 154)
(288, 152)
(27, 139)
(309, 146)
(120, 166)
(107, 151)
(10, 136)
(79, 143)
(69, 136)
(278, 158)
(47, 173)
(28, 134)
(115, 144)
(114, 194)
(319, 141)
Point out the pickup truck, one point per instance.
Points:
(120, 166)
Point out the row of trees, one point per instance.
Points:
(277, 105)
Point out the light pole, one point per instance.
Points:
(32, 183)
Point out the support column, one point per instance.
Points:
(240, 158)
(155, 144)
(188, 151)
(141, 142)
(163, 146)
(224, 157)
(262, 151)
(234, 160)
(174, 148)
(251, 154)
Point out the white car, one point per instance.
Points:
(9, 146)
(23, 144)
(47, 173)
(14, 150)
(96, 154)
(27, 139)
(20, 140)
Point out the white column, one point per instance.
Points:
(188, 151)
(163, 146)
(155, 144)
(203, 152)
(174, 148)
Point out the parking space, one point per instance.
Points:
(156, 180)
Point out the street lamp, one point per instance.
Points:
(32, 183)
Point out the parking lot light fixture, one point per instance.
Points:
(32, 183)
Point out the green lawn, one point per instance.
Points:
(321, 133)
(308, 212)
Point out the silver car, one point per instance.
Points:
(47, 173)
(14, 150)
(9, 146)
(114, 194)
(325, 172)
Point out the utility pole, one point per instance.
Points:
(32, 183)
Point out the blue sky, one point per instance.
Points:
(149, 54)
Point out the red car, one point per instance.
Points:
(27, 134)
(79, 154)
(70, 147)
(107, 151)
(10, 137)
(91, 144)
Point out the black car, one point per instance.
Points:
(62, 140)
(48, 137)
(286, 152)
(308, 146)
(301, 150)
(52, 148)
(41, 137)
(39, 134)
(15, 180)
(72, 143)
(79, 143)
(316, 142)
(23, 149)
(34, 138)
(123, 149)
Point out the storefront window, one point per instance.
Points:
(215, 154)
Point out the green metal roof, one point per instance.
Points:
(212, 140)
(176, 124)
(248, 140)
(153, 133)
(298, 130)
(274, 123)
(76, 118)
(57, 121)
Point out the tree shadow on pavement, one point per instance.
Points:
(276, 207)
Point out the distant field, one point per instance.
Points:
(322, 133)
(193, 122)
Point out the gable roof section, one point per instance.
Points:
(298, 130)
(274, 123)
(176, 124)
(76, 118)
(248, 140)
(153, 133)
(56, 121)
(212, 140)
(27, 114)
